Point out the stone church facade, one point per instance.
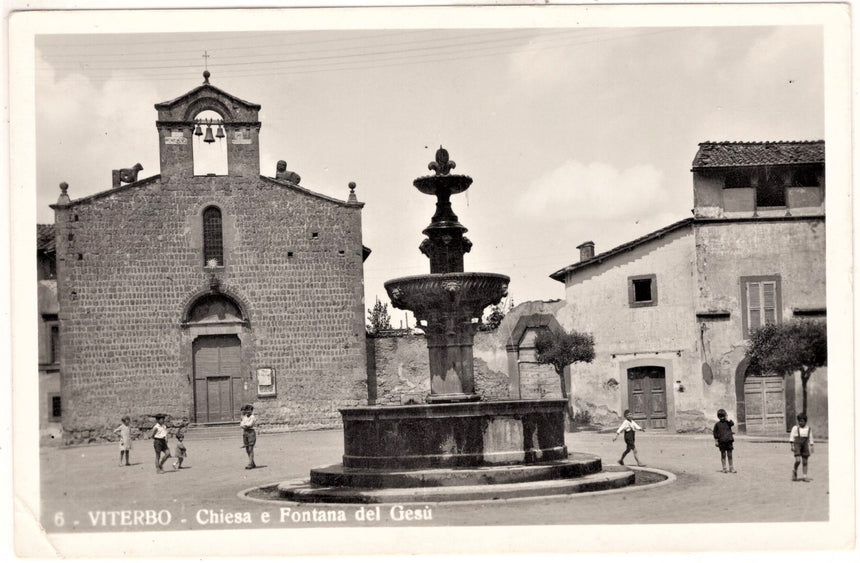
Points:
(193, 294)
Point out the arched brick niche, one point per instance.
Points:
(522, 364)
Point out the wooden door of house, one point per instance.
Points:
(764, 401)
(217, 378)
(646, 396)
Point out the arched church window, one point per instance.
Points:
(210, 146)
(213, 237)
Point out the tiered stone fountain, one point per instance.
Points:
(457, 446)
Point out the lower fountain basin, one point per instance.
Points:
(454, 435)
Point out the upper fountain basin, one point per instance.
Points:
(469, 291)
(451, 184)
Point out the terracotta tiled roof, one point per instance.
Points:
(714, 155)
(45, 238)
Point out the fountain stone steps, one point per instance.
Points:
(301, 491)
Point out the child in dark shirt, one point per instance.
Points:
(724, 439)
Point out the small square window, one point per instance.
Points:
(642, 290)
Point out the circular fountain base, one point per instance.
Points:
(454, 452)
(581, 473)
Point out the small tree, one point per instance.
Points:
(789, 347)
(379, 318)
(494, 318)
(560, 349)
(497, 315)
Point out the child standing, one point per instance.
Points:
(159, 442)
(124, 431)
(724, 439)
(801, 445)
(249, 435)
(181, 450)
(629, 427)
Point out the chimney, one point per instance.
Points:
(586, 251)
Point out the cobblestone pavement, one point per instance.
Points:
(84, 489)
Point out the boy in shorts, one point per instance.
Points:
(159, 442)
(801, 445)
(724, 439)
(629, 427)
(249, 435)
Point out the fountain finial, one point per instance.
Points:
(442, 165)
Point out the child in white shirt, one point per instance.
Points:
(249, 435)
(629, 427)
(801, 445)
(124, 432)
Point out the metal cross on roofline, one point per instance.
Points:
(206, 56)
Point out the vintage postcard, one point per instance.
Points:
(440, 280)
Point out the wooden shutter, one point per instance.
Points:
(762, 303)
(754, 305)
(769, 301)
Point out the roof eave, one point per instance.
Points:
(561, 275)
(173, 102)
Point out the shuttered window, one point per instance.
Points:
(761, 302)
(213, 238)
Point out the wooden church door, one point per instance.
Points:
(217, 378)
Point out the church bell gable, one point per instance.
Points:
(230, 120)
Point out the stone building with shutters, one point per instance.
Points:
(671, 311)
(194, 291)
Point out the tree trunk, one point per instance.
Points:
(568, 410)
(804, 377)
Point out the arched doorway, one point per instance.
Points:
(218, 387)
(646, 396)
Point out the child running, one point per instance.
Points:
(159, 442)
(629, 427)
(801, 445)
(724, 439)
(249, 435)
(181, 450)
(124, 432)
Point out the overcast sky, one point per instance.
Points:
(569, 134)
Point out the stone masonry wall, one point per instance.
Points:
(403, 370)
(130, 262)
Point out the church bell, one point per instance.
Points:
(209, 138)
(220, 133)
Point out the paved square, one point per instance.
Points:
(84, 488)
